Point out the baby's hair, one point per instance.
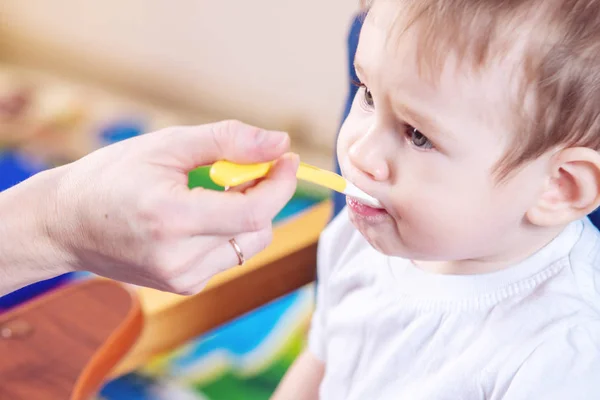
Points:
(558, 104)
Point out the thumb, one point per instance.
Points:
(226, 140)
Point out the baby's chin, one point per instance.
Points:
(386, 239)
(382, 237)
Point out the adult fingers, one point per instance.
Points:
(270, 195)
(230, 213)
(221, 258)
(242, 188)
(226, 140)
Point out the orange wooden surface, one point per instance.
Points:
(61, 346)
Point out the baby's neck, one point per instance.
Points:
(520, 248)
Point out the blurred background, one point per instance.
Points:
(76, 75)
(279, 64)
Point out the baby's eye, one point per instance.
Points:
(417, 139)
(367, 97)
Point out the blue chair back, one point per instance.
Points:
(339, 200)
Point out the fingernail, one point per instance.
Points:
(271, 138)
(294, 158)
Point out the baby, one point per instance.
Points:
(478, 128)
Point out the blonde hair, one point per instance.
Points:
(559, 101)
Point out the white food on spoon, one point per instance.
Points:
(358, 194)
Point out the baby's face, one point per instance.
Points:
(428, 151)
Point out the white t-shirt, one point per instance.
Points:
(388, 330)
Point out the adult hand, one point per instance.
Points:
(126, 212)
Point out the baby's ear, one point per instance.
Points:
(572, 190)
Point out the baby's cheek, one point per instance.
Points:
(428, 231)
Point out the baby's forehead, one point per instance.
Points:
(418, 53)
(446, 87)
(544, 54)
(435, 33)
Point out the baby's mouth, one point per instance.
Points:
(362, 209)
(361, 196)
(358, 196)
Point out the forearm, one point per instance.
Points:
(303, 379)
(28, 253)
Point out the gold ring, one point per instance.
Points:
(238, 251)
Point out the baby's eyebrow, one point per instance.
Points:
(360, 72)
(364, 67)
(422, 122)
(426, 124)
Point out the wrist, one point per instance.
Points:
(29, 251)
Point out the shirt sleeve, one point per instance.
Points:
(563, 368)
(331, 245)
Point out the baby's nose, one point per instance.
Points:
(366, 157)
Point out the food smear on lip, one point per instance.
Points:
(357, 194)
(363, 209)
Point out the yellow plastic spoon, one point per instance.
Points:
(228, 174)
